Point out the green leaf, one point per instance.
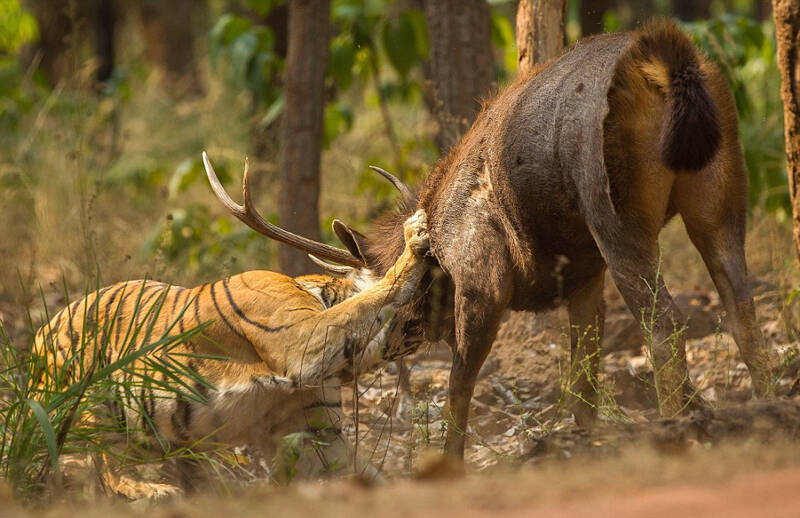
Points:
(341, 58)
(398, 44)
(228, 28)
(416, 19)
(502, 32)
(242, 51)
(792, 295)
(274, 111)
(338, 119)
(17, 26)
(503, 37)
(49, 434)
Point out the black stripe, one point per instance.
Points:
(187, 415)
(198, 387)
(290, 310)
(151, 400)
(116, 410)
(142, 306)
(148, 288)
(120, 316)
(53, 331)
(108, 309)
(197, 305)
(224, 319)
(143, 405)
(180, 419)
(244, 317)
(70, 314)
(175, 300)
(157, 313)
(323, 404)
(89, 316)
(183, 311)
(202, 390)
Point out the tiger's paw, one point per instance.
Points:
(415, 230)
(138, 491)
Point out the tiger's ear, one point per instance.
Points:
(352, 239)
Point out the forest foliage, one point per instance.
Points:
(377, 56)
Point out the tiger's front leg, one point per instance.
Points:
(407, 272)
(336, 339)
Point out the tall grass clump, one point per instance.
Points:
(50, 409)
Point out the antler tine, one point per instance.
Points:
(332, 268)
(248, 215)
(248, 202)
(408, 197)
(219, 190)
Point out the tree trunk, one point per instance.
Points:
(787, 32)
(461, 64)
(55, 32)
(64, 28)
(301, 136)
(169, 42)
(540, 32)
(103, 19)
(691, 10)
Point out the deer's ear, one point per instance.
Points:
(352, 239)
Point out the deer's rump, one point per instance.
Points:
(567, 145)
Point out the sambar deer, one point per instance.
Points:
(570, 171)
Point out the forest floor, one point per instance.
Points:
(524, 450)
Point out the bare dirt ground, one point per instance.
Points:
(525, 455)
(739, 478)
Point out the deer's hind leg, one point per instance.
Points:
(627, 236)
(713, 207)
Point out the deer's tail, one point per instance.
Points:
(690, 129)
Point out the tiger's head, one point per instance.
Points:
(351, 270)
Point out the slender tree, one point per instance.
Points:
(461, 63)
(49, 52)
(104, 21)
(65, 28)
(302, 125)
(787, 32)
(540, 31)
(168, 33)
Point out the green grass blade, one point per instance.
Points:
(49, 435)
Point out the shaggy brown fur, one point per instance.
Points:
(572, 171)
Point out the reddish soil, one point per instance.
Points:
(772, 494)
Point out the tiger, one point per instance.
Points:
(272, 352)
